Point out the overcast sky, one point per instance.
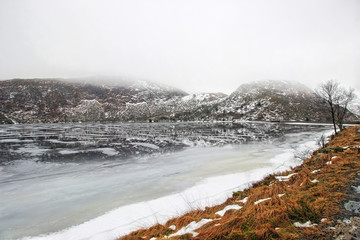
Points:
(196, 45)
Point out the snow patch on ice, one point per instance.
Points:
(33, 151)
(107, 151)
(148, 145)
(10, 140)
(68, 151)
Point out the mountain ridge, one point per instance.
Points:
(59, 100)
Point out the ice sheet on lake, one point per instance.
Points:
(183, 190)
(211, 191)
(148, 145)
(129, 139)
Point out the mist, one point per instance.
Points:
(197, 46)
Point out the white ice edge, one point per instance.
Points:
(209, 192)
(128, 218)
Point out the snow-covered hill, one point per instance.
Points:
(274, 101)
(56, 100)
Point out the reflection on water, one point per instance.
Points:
(93, 141)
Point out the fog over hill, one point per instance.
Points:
(101, 100)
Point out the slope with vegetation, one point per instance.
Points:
(308, 202)
(274, 100)
(56, 100)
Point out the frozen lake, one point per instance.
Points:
(99, 181)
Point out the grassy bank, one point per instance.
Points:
(300, 204)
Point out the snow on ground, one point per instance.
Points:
(244, 200)
(227, 208)
(128, 218)
(172, 227)
(285, 178)
(191, 227)
(307, 224)
(261, 200)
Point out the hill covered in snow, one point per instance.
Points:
(102, 100)
(275, 101)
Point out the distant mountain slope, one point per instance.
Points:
(56, 100)
(275, 100)
(265, 101)
(53, 100)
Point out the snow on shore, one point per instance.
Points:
(210, 191)
(125, 219)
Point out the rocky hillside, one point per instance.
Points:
(52, 100)
(264, 101)
(55, 100)
(275, 101)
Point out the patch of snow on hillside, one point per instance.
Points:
(191, 228)
(227, 208)
(303, 225)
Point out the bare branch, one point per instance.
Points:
(337, 99)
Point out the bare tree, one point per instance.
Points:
(338, 99)
(346, 97)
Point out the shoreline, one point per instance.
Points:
(307, 203)
(210, 191)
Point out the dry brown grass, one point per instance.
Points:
(304, 199)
